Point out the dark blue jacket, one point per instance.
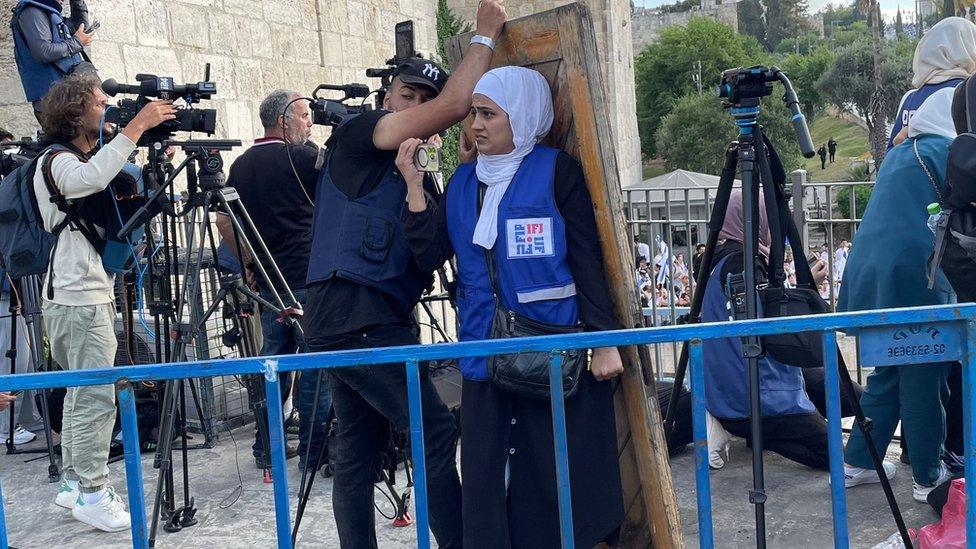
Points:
(782, 391)
(37, 76)
(362, 240)
(529, 254)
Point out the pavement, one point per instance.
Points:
(798, 512)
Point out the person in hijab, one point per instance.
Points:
(509, 496)
(886, 268)
(943, 58)
(793, 399)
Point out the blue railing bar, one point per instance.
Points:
(279, 472)
(561, 451)
(418, 453)
(703, 483)
(969, 430)
(133, 464)
(835, 443)
(587, 340)
(3, 524)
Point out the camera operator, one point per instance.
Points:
(276, 179)
(363, 284)
(46, 48)
(78, 306)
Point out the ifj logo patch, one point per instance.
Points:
(530, 237)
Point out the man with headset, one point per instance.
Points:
(276, 180)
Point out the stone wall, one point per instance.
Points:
(254, 47)
(648, 23)
(611, 19)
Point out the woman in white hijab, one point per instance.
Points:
(526, 207)
(943, 58)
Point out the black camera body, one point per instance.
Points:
(331, 112)
(739, 84)
(151, 87)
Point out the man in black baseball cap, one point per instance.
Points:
(418, 71)
(363, 284)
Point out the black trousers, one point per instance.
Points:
(366, 400)
(800, 438)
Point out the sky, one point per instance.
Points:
(888, 7)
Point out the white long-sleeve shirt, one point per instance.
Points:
(78, 275)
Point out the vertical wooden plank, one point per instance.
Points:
(565, 36)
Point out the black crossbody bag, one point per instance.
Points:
(526, 374)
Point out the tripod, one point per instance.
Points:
(761, 168)
(205, 184)
(28, 305)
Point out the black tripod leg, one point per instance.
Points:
(864, 424)
(188, 510)
(305, 490)
(12, 355)
(715, 223)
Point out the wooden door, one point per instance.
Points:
(561, 44)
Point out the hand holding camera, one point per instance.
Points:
(83, 37)
(150, 116)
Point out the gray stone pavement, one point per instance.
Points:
(798, 511)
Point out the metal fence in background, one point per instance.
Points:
(677, 218)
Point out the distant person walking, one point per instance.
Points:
(822, 153)
(831, 149)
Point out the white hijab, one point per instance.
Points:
(947, 51)
(525, 96)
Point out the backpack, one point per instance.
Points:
(955, 235)
(26, 247)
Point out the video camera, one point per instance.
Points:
(163, 87)
(331, 112)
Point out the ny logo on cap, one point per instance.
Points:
(432, 72)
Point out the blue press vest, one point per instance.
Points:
(782, 391)
(36, 76)
(362, 240)
(913, 100)
(529, 254)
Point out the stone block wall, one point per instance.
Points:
(648, 23)
(254, 47)
(611, 19)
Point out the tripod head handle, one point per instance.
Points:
(799, 120)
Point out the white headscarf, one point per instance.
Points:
(947, 51)
(525, 96)
(934, 116)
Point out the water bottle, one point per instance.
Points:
(935, 214)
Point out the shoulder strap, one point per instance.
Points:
(925, 168)
(69, 209)
(492, 276)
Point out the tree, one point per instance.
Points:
(752, 20)
(877, 135)
(663, 71)
(805, 71)
(695, 134)
(849, 84)
(448, 25)
(784, 19)
(899, 25)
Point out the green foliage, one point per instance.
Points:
(751, 21)
(695, 134)
(663, 71)
(803, 45)
(845, 36)
(805, 71)
(784, 19)
(861, 195)
(448, 25)
(837, 16)
(849, 82)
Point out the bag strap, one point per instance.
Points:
(492, 275)
(925, 168)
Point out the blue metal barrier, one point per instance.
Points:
(926, 334)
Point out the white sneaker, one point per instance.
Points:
(21, 436)
(66, 495)
(854, 476)
(719, 442)
(921, 491)
(108, 514)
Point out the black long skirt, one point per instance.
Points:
(499, 428)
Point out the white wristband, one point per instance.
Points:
(484, 41)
